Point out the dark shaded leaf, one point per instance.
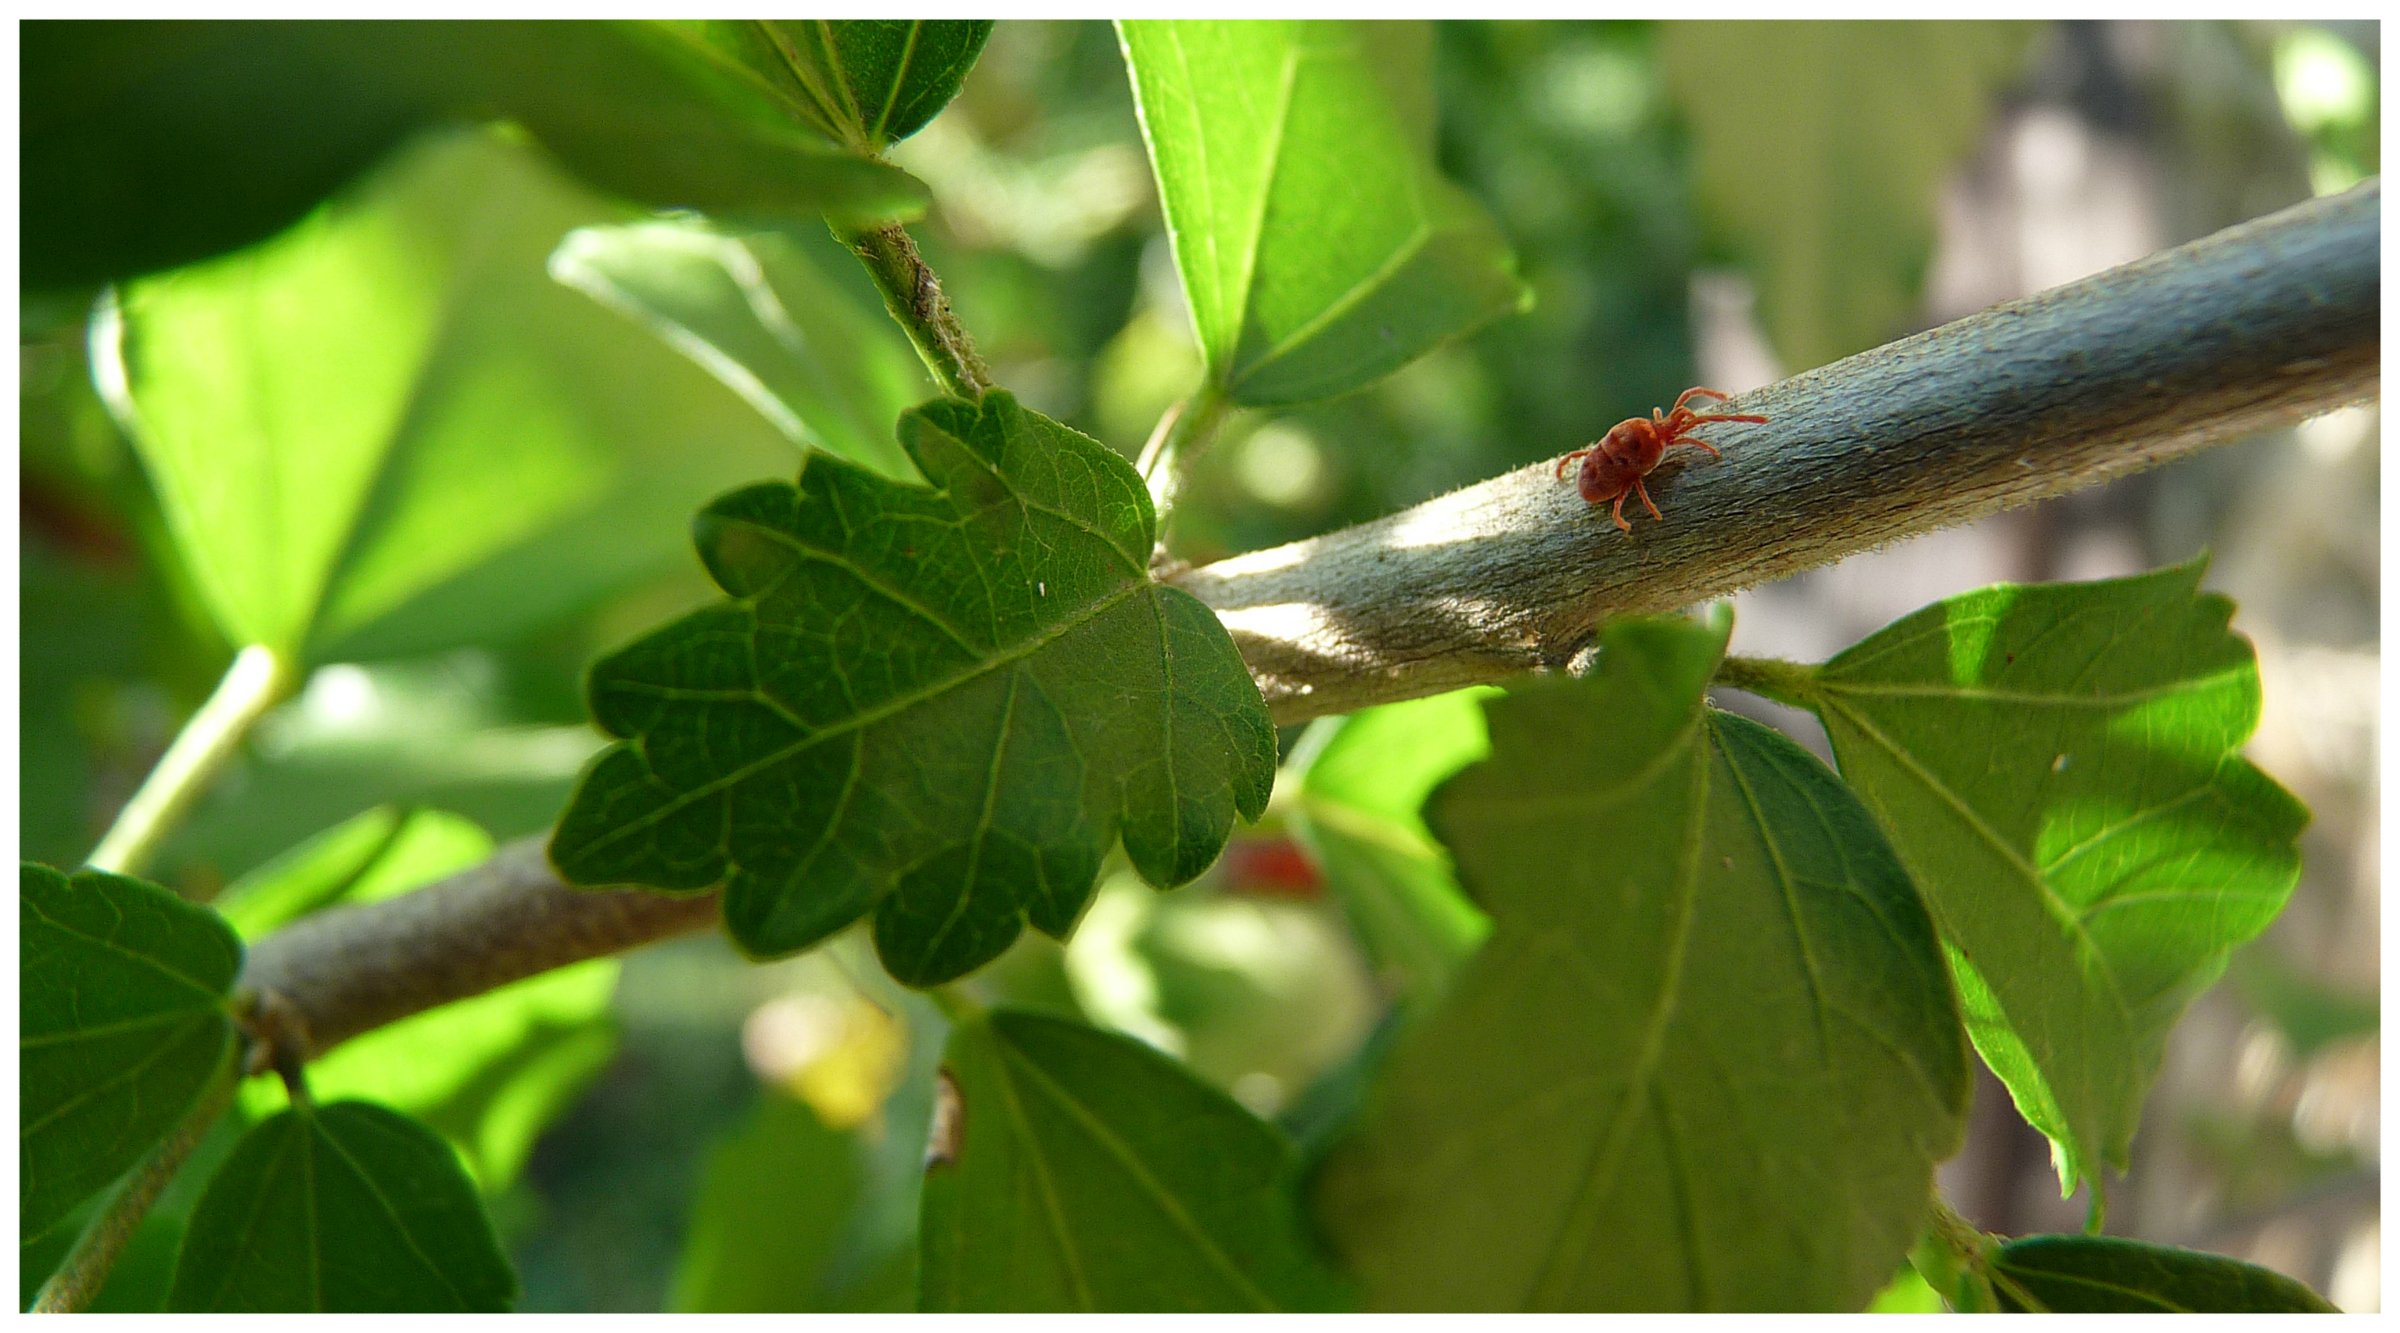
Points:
(1092, 1173)
(2111, 1275)
(122, 1019)
(152, 144)
(940, 706)
(866, 83)
(1707, 1059)
(347, 1208)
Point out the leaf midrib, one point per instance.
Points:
(1088, 613)
(1160, 1197)
(1558, 1267)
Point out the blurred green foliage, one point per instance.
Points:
(453, 682)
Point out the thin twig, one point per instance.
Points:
(915, 297)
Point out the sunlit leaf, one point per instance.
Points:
(1357, 784)
(1708, 1058)
(1092, 1173)
(389, 431)
(752, 311)
(346, 1208)
(1820, 149)
(939, 706)
(2058, 766)
(122, 1019)
(2112, 1275)
(1319, 248)
(1907, 1293)
(866, 83)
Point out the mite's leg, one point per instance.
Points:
(1702, 444)
(1690, 394)
(1561, 469)
(1644, 492)
(1620, 513)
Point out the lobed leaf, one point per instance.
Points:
(2059, 768)
(865, 83)
(348, 1208)
(752, 311)
(1820, 149)
(389, 432)
(938, 706)
(2111, 1275)
(122, 1019)
(1092, 1173)
(1707, 1059)
(1319, 248)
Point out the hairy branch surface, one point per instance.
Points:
(2255, 327)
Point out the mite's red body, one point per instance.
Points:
(1614, 465)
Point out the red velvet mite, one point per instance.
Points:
(1614, 465)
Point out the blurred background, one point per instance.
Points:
(1693, 204)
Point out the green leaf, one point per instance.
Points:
(1355, 785)
(122, 1020)
(866, 83)
(2109, 1275)
(637, 110)
(1906, 1293)
(489, 1072)
(1709, 1056)
(1319, 248)
(1093, 1173)
(153, 144)
(2058, 768)
(388, 431)
(940, 706)
(774, 1206)
(346, 1208)
(752, 311)
(1819, 150)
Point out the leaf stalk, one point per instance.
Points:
(916, 301)
(86, 1268)
(1179, 435)
(258, 679)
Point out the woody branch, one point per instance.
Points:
(2258, 326)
